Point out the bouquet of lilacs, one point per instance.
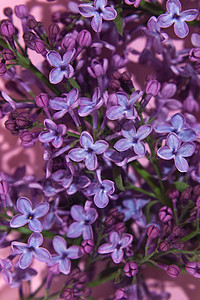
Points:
(121, 183)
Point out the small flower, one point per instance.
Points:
(64, 255)
(89, 152)
(133, 138)
(116, 245)
(54, 133)
(87, 106)
(29, 215)
(31, 250)
(62, 67)
(131, 269)
(20, 275)
(179, 19)
(78, 183)
(84, 219)
(193, 268)
(99, 11)
(175, 150)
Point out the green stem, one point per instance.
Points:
(132, 187)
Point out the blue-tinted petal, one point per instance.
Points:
(189, 14)
(24, 205)
(75, 230)
(18, 247)
(65, 266)
(165, 153)
(123, 145)
(173, 142)
(42, 254)
(101, 199)
(109, 186)
(173, 6)
(178, 120)
(187, 135)
(109, 14)
(85, 110)
(115, 112)
(41, 209)
(163, 128)
(77, 212)
(96, 22)
(181, 163)
(87, 232)
(114, 238)
(91, 161)
(18, 221)
(91, 215)
(117, 255)
(181, 28)
(106, 248)
(35, 225)
(35, 240)
(143, 131)
(100, 4)
(100, 147)
(58, 103)
(45, 137)
(56, 75)
(126, 240)
(25, 260)
(59, 245)
(67, 57)
(87, 10)
(187, 149)
(72, 96)
(54, 58)
(139, 148)
(74, 252)
(49, 124)
(77, 154)
(165, 20)
(122, 99)
(86, 140)
(57, 141)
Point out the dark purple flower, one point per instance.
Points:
(84, 219)
(175, 150)
(78, 183)
(20, 275)
(89, 151)
(193, 268)
(64, 177)
(64, 254)
(31, 250)
(29, 215)
(64, 104)
(87, 106)
(99, 11)
(133, 138)
(54, 133)
(179, 19)
(179, 127)
(116, 245)
(62, 65)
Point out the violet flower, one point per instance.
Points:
(78, 183)
(62, 259)
(98, 12)
(54, 133)
(89, 151)
(20, 275)
(62, 65)
(179, 19)
(87, 106)
(31, 250)
(133, 209)
(84, 219)
(29, 215)
(5, 270)
(133, 138)
(116, 246)
(175, 150)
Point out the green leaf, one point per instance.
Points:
(118, 178)
(119, 21)
(74, 84)
(119, 276)
(181, 186)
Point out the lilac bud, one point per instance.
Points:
(153, 231)
(164, 246)
(54, 29)
(131, 269)
(120, 227)
(3, 184)
(165, 214)
(186, 195)
(10, 125)
(88, 246)
(2, 69)
(173, 271)
(56, 16)
(8, 11)
(173, 193)
(69, 41)
(84, 38)
(116, 75)
(196, 189)
(7, 28)
(115, 84)
(153, 87)
(21, 11)
(8, 54)
(194, 54)
(176, 230)
(39, 46)
(109, 221)
(42, 100)
(13, 115)
(26, 137)
(22, 121)
(31, 22)
(193, 268)
(126, 76)
(190, 104)
(96, 69)
(120, 294)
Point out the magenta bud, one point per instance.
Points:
(22, 121)
(8, 54)
(10, 125)
(176, 230)
(21, 11)
(164, 246)
(3, 186)
(42, 100)
(31, 22)
(8, 11)
(54, 29)
(109, 221)
(39, 46)
(130, 269)
(26, 137)
(194, 54)
(120, 227)
(173, 193)
(153, 87)
(173, 271)
(193, 268)
(7, 29)
(196, 189)
(153, 231)
(116, 75)
(84, 38)
(69, 41)
(165, 214)
(88, 246)
(2, 69)
(115, 84)
(126, 76)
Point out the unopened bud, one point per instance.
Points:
(88, 246)
(153, 87)
(164, 246)
(42, 100)
(39, 46)
(165, 214)
(8, 11)
(2, 69)
(7, 29)
(21, 11)
(131, 269)
(153, 231)
(8, 54)
(84, 38)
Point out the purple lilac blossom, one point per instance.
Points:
(179, 127)
(29, 215)
(64, 255)
(84, 219)
(125, 106)
(116, 246)
(5, 270)
(136, 3)
(31, 250)
(87, 106)
(78, 183)
(64, 104)
(89, 151)
(64, 176)
(62, 65)
(20, 275)
(133, 138)
(176, 17)
(175, 150)
(193, 268)
(98, 12)
(54, 133)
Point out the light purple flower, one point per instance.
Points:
(78, 183)
(133, 138)
(64, 176)
(20, 275)
(125, 106)
(87, 106)
(64, 104)
(179, 19)
(29, 215)
(64, 255)
(101, 190)
(116, 245)
(98, 12)
(175, 150)
(62, 65)
(54, 133)
(84, 219)
(89, 151)
(30, 250)
(133, 209)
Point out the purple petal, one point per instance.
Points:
(56, 75)
(123, 145)
(60, 114)
(189, 14)
(163, 128)
(91, 161)
(122, 99)
(187, 149)
(114, 238)
(134, 97)
(77, 212)
(96, 22)
(128, 131)
(87, 10)
(168, 90)
(165, 153)
(75, 229)
(35, 240)
(117, 255)
(187, 135)
(109, 186)
(115, 112)
(181, 29)
(65, 266)
(72, 97)
(87, 232)
(173, 6)
(101, 200)
(109, 14)
(49, 124)
(45, 137)
(42, 254)
(126, 240)
(24, 205)
(35, 225)
(181, 163)
(41, 209)
(74, 252)
(91, 215)
(100, 4)
(139, 148)
(165, 20)
(143, 131)
(67, 57)
(59, 245)
(106, 248)
(25, 260)
(152, 24)
(57, 141)
(77, 154)
(86, 140)
(54, 58)
(92, 189)
(58, 103)
(85, 110)
(100, 147)
(173, 141)
(18, 221)
(18, 247)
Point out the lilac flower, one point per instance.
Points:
(179, 19)
(64, 177)
(99, 11)
(102, 191)
(62, 67)
(64, 255)
(133, 138)
(193, 268)
(179, 127)
(54, 133)
(64, 104)
(53, 215)
(78, 183)
(125, 106)
(84, 219)
(5, 270)
(116, 245)
(20, 275)
(29, 215)
(89, 152)
(87, 106)
(31, 250)
(133, 209)
(175, 150)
